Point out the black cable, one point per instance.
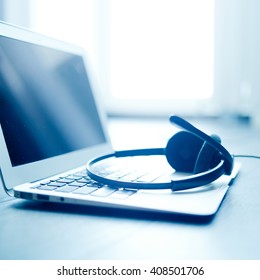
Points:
(247, 156)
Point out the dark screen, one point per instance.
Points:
(46, 103)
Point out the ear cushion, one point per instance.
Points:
(208, 157)
(182, 151)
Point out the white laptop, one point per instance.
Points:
(52, 124)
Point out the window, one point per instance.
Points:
(161, 55)
(71, 21)
(150, 56)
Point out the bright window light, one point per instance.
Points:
(149, 56)
(71, 21)
(161, 49)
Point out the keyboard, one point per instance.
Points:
(80, 183)
(124, 170)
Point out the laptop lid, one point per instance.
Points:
(46, 93)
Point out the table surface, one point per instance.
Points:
(33, 230)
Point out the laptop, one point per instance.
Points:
(53, 123)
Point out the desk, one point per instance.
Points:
(32, 230)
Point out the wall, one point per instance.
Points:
(15, 12)
(237, 57)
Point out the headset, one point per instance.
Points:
(190, 150)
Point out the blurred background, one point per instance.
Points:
(157, 57)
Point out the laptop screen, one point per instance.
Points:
(46, 102)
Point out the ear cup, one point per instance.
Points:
(182, 151)
(208, 157)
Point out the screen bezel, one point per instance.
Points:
(13, 176)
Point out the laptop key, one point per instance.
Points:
(83, 180)
(95, 184)
(85, 190)
(64, 180)
(122, 194)
(56, 184)
(73, 177)
(132, 176)
(77, 184)
(46, 188)
(149, 177)
(66, 189)
(103, 192)
(45, 182)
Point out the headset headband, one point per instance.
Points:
(225, 165)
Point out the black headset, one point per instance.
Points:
(191, 151)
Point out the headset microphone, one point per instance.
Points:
(190, 150)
